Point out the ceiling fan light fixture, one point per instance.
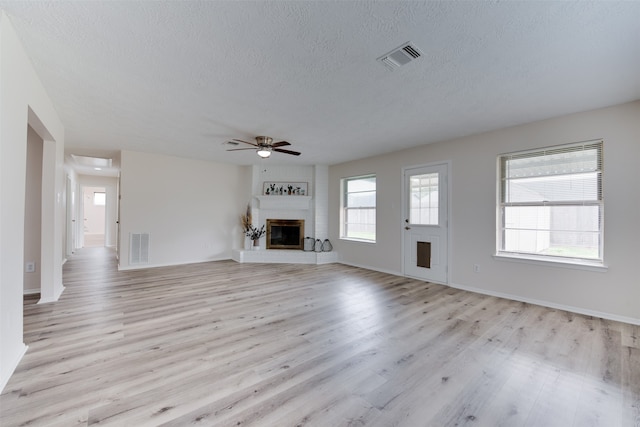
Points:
(264, 152)
(264, 146)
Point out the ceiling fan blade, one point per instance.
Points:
(280, 150)
(246, 142)
(280, 144)
(239, 149)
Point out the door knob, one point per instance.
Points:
(407, 228)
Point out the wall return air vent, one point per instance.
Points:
(138, 248)
(400, 56)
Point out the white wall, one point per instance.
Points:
(191, 208)
(23, 101)
(33, 211)
(612, 294)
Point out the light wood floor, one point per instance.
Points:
(230, 344)
(93, 240)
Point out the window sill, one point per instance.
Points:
(351, 239)
(544, 261)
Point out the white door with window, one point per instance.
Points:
(426, 219)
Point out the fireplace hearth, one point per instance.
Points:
(285, 234)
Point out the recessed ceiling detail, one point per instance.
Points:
(400, 56)
(95, 162)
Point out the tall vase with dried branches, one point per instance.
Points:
(246, 220)
(254, 234)
(246, 223)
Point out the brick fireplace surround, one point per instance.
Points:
(312, 208)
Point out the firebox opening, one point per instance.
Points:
(285, 233)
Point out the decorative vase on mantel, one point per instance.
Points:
(255, 234)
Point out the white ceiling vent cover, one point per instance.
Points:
(400, 56)
(139, 248)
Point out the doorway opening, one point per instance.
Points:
(426, 222)
(94, 214)
(33, 214)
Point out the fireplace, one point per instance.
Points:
(285, 234)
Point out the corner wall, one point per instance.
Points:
(612, 294)
(33, 212)
(23, 102)
(314, 215)
(190, 208)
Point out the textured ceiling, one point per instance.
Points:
(183, 77)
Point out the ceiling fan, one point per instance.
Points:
(264, 145)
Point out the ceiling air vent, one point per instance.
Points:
(400, 56)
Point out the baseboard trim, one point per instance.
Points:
(12, 367)
(368, 267)
(171, 264)
(573, 309)
(55, 298)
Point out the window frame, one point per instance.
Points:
(577, 261)
(344, 194)
(422, 207)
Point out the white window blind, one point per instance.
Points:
(359, 208)
(551, 202)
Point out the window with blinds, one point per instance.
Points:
(359, 208)
(551, 203)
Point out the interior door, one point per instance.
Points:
(70, 219)
(118, 220)
(426, 231)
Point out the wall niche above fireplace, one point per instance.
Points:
(285, 234)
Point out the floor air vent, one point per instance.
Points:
(139, 248)
(400, 56)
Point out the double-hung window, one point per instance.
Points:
(551, 203)
(359, 208)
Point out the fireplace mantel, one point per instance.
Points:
(284, 202)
